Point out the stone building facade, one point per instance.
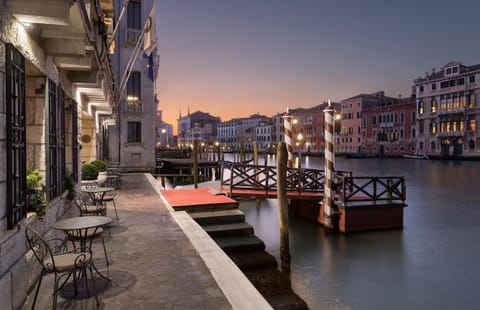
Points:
(350, 139)
(448, 112)
(388, 127)
(236, 131)
(198, 126)
(129, 137)
(376, 125)
(54, 82)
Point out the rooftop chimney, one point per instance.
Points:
(433, 70)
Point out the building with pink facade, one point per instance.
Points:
(376, 125)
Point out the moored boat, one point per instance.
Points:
(416, 156)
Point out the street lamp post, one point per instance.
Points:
(165, 137)
(299, 139)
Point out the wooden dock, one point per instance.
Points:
(361, 203)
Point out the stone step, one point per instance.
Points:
(240, 244)
(207, 207)
(227, 230)
(218, 217)
(254, 260)
(276, 289)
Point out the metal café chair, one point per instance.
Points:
(91, 233)
(88, 206)
(110, 197)
(62, 264)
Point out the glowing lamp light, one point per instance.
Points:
(132, 98)
(300, 137)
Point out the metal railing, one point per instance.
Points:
(264, 178)
(349, 189)
(371, 189)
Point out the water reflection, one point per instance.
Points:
(430, 264)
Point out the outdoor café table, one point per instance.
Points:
(97, 193)
(81, 224)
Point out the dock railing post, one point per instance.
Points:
(195, 163)
(255, 159)
(389, 188)
(329, 191)
(242, 152)
(283, 207)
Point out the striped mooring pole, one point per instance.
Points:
(287, 131)
(329, 191)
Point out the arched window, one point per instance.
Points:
(434, 106)
(420, 107)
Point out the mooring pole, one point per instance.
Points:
(282, 160)
(195, 163)
(329, 191)
(287, 125)
(255, 159)
(255, 153)
(242, 152)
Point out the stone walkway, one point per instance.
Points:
(153, 265)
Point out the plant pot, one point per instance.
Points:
(102, 177)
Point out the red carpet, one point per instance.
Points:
(194, 197)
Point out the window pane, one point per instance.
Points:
(134, 132)
(133, 85)
(134, 15)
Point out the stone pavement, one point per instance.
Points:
(153, 265)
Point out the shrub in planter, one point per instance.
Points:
(89, 172)
(34, 180)
(36, 200)
(100, 165)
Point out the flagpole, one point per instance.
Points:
(133, 57)
(118, 23)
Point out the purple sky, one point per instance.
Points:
(233, 58)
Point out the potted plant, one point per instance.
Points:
(89, 172)
(101, 168)
(69, 185)
(100, 165)
(36, 200)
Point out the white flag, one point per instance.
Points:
(150, 38)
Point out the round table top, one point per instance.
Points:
(81, 222)
(97, 189)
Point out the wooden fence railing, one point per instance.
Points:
(367, 189)
(349, 190)
(264, 178)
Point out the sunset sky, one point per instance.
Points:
(234, 58)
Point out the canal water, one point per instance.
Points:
(432, 263)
